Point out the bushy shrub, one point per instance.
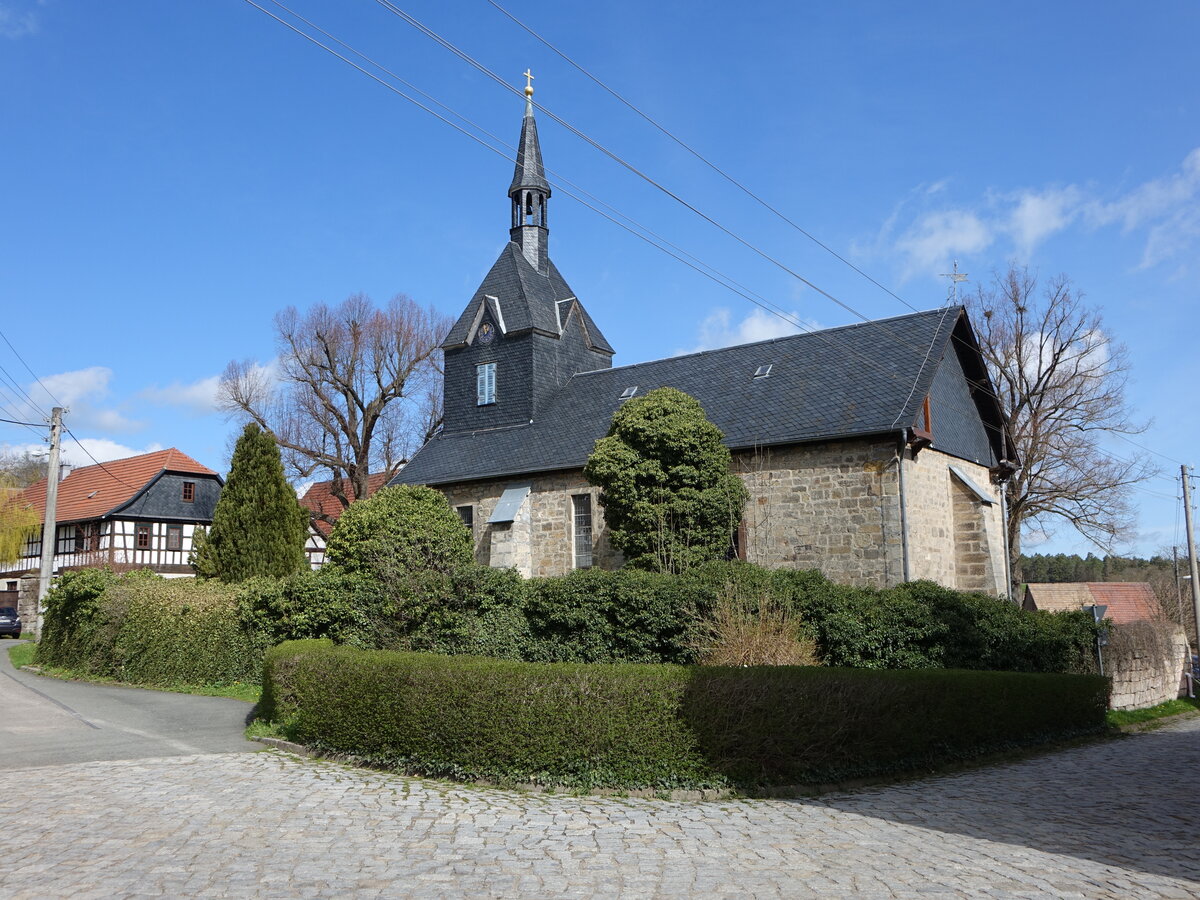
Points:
(144, 629)
(591, 615)
(72, 616)
(659, 726)
(324, 604)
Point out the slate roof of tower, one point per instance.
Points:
(529, 172)
(862, 379)
(527, 300)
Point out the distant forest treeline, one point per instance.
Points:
(1059, 567)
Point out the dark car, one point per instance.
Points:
(10, 622)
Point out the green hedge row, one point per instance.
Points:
(630, 616)
(659, 726)
(145, 629)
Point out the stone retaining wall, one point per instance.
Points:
(1145, 661)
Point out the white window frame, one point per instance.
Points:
(582, 531)
(485, 384)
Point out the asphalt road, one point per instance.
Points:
(48, 722)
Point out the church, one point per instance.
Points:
(874, 452)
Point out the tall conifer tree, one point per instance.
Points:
(259, 527)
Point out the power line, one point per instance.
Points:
(31, 372)
(699, 266)
(96, 461)
(15, 422)
(703, 159)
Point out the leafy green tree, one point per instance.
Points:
(259, 527)
(670, 500)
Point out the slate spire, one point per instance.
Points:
(530, 191)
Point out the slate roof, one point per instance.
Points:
(862, 379)
(1127, 601)
(92, 492)
(529, 172)
(527, 300)
(320, 499)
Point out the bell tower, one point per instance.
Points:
(529, 191)
(524, 333)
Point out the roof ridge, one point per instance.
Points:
(774, 340)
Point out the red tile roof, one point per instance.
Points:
(1127, 601)
(319, 498)
(92, 491)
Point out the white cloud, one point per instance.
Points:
(82, 392)
(1165, 209)
(200, 397)
(1038, 215)
(938, 237)
(719, 330)
(102, 449)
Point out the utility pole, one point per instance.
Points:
(1191, 539)
(50, 526)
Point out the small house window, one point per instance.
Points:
(762, 371)
(80, 538)
(467, 514)
(12, 585)
(628, 392)
(189, 492)
(485, 384)
(174, 537)
(581, 509)
(141, 537)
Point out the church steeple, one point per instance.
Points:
(529, 191)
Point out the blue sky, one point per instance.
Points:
(175, 173)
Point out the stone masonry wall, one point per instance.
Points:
(831, 506)
(954, 538)
(27, 606)
(1145, 661)
(540, 540)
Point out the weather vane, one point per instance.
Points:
(955, 277)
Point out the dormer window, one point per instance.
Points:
(485, 384)
(189, 492)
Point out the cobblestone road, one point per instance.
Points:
(1109, 820)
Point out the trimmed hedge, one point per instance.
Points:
(658, 726)
(145, 629)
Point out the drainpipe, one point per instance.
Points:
(903, 503)
(1008, 580)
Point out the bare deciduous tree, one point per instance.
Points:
(1061, 379)
(354, 390)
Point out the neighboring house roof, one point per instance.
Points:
(528, 301)
(868, 378)
(1127, 601)
(319, 498)
(93, 492)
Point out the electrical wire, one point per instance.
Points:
(96, 461)
(728, 283)
(30, 371)
(741, 187)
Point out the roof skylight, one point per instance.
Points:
(763, 371)
(628, 392)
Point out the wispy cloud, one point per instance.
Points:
(16, 22)
(925, 232)
(84, 392)
(102, 449)
(720, 330)
(199, 397)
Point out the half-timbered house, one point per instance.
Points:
(139, 512)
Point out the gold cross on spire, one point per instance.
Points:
(528, 83)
